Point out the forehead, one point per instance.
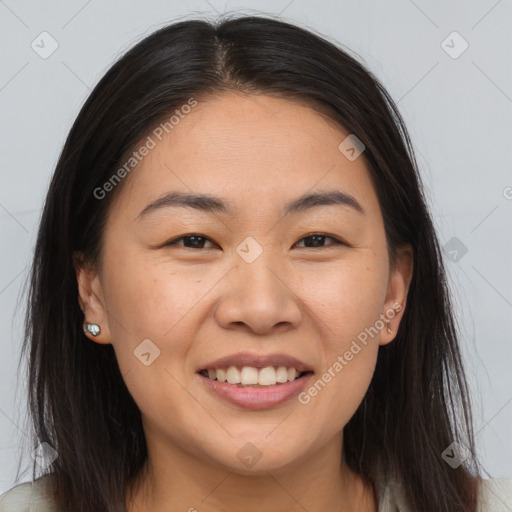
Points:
(252, 149)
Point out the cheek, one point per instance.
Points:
(346, 301)
(152, 313)
(347, 297)
(335, 393)
(151, 298)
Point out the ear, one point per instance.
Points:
(398, 286)
(90, 298)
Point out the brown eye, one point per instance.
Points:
(317, 240)
(193, 241)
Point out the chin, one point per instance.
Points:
(261, 456)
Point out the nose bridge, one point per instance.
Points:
(257, 271)
(260, 277)
(258, 294)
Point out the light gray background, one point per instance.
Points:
(458, 111)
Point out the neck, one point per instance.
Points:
(173, 479)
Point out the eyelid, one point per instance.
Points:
(188, 235)
(336, 240)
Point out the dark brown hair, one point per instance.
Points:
(417, 403)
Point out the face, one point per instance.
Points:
(253, 270)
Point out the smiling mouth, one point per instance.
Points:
(248, 376)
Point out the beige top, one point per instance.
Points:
(496, 496)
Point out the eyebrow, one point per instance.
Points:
(211, 204)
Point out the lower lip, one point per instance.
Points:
(257, 398)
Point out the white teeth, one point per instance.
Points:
(282, 374)
(292, 373)
(248, 375)
(233, 375)
(267, 376)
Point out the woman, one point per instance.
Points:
(238, 298)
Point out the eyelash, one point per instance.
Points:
(173, 242)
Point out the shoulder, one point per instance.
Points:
(495, 495)
(28, 496)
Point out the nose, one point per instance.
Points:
(258, 298)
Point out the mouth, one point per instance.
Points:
(252, 377)
(253, 388)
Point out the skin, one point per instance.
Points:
(199, 304)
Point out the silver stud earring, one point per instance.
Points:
(93, 329)
(389, 329)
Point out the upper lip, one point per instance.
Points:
(257, 361)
